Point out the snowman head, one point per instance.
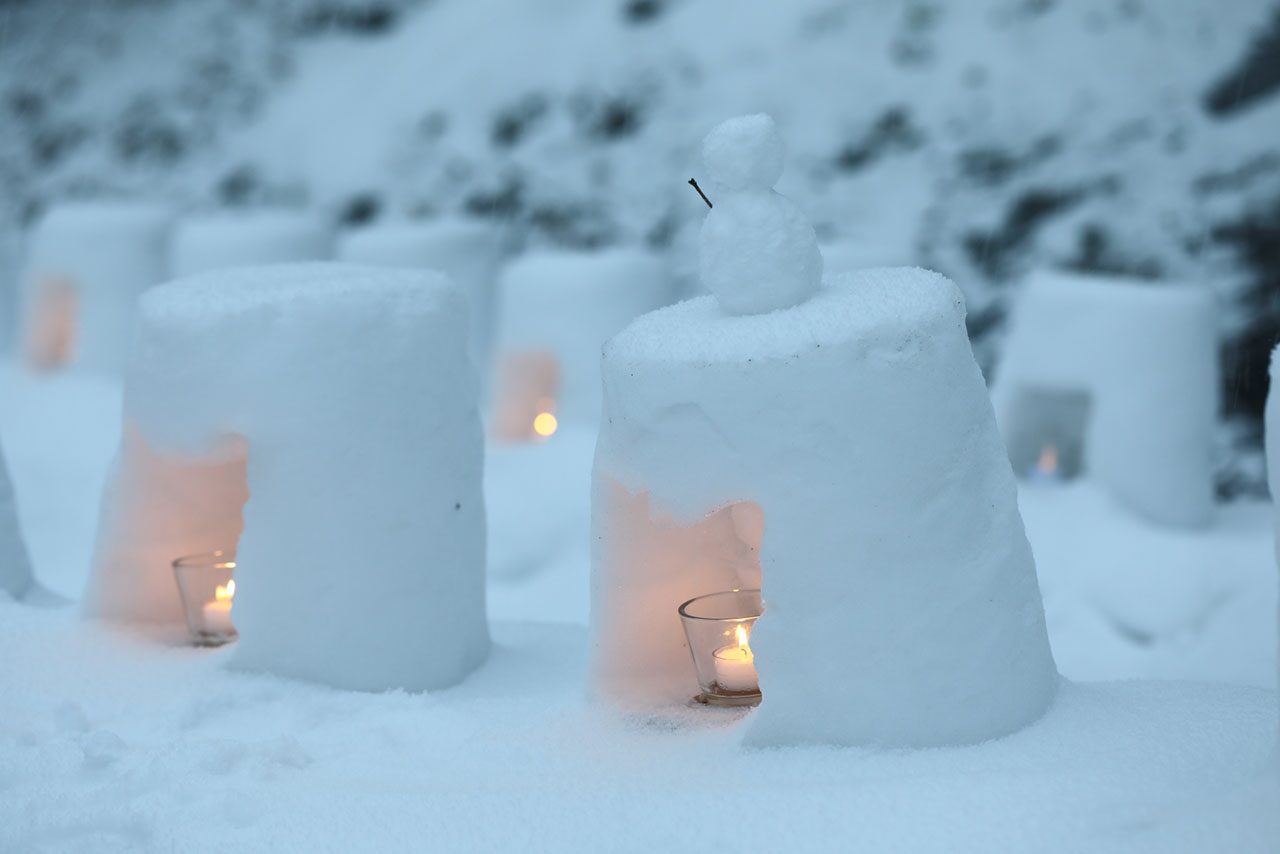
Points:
(745, 153)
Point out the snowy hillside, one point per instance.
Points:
(976, 138)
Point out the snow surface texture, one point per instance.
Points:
(758, 251)
(103, 255)
(469, 252)
(112, 742)
(1142, 359)
(216, 241)
(15, 566)
(567, 304)
(342, 400)
(901, 600)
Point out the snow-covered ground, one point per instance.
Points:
(129, 740)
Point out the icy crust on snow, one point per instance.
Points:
(469, 252)
(1145, 355)
(106, 253)
(341, 399)
(224, 240)
(568, 303)
(902, 601)
(15, 565)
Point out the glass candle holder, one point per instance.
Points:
(207, 588)
(718, 626)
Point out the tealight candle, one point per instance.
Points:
(735, 665)
(217, 614)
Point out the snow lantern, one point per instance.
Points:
(555, 311)
(1119, 379)
(85, 264)
(468, 251)
(342, 399)
(15, 566)
(833, 444)
(242, 239)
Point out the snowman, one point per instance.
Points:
(758, 251)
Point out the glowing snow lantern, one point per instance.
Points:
(555, 311)
(831, 442)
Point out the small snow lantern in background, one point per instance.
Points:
(243, 239)
(555, 311)
(361, 562)
(85, 265)
(15, 566)
(1116, 379)
(833, 444)
(469, 251)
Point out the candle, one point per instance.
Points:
(217, 614)
(735, 665)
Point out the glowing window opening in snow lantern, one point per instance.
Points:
(647, 651)
(49, 339)
(1045, 432)
(526, 396)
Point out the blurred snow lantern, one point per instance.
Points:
(837, 444)
(555, 311)
(216, 241)
(15, 566)
(361, 563)
(468, 251)
(85, 265)
(1119, 379)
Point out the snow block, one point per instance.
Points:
(85, 265)
(219, 241)
(341, 399)
(15, 565)
(1142, 360)
(902, 606)
(469, 252)
(560, 307)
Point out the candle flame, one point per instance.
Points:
(226, 592)
(1048, 463)
(545, 424)
(742, 638)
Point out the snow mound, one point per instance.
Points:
(758, 251)
(902, 606)
(342, 400)
(219, 241)
(86, 263)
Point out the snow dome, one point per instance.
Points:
(468, 251)
(342, 400)
(555, 310)
(835, 446)
(15, 566)
(1119, 379)
(241, 239)
(85, 264)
